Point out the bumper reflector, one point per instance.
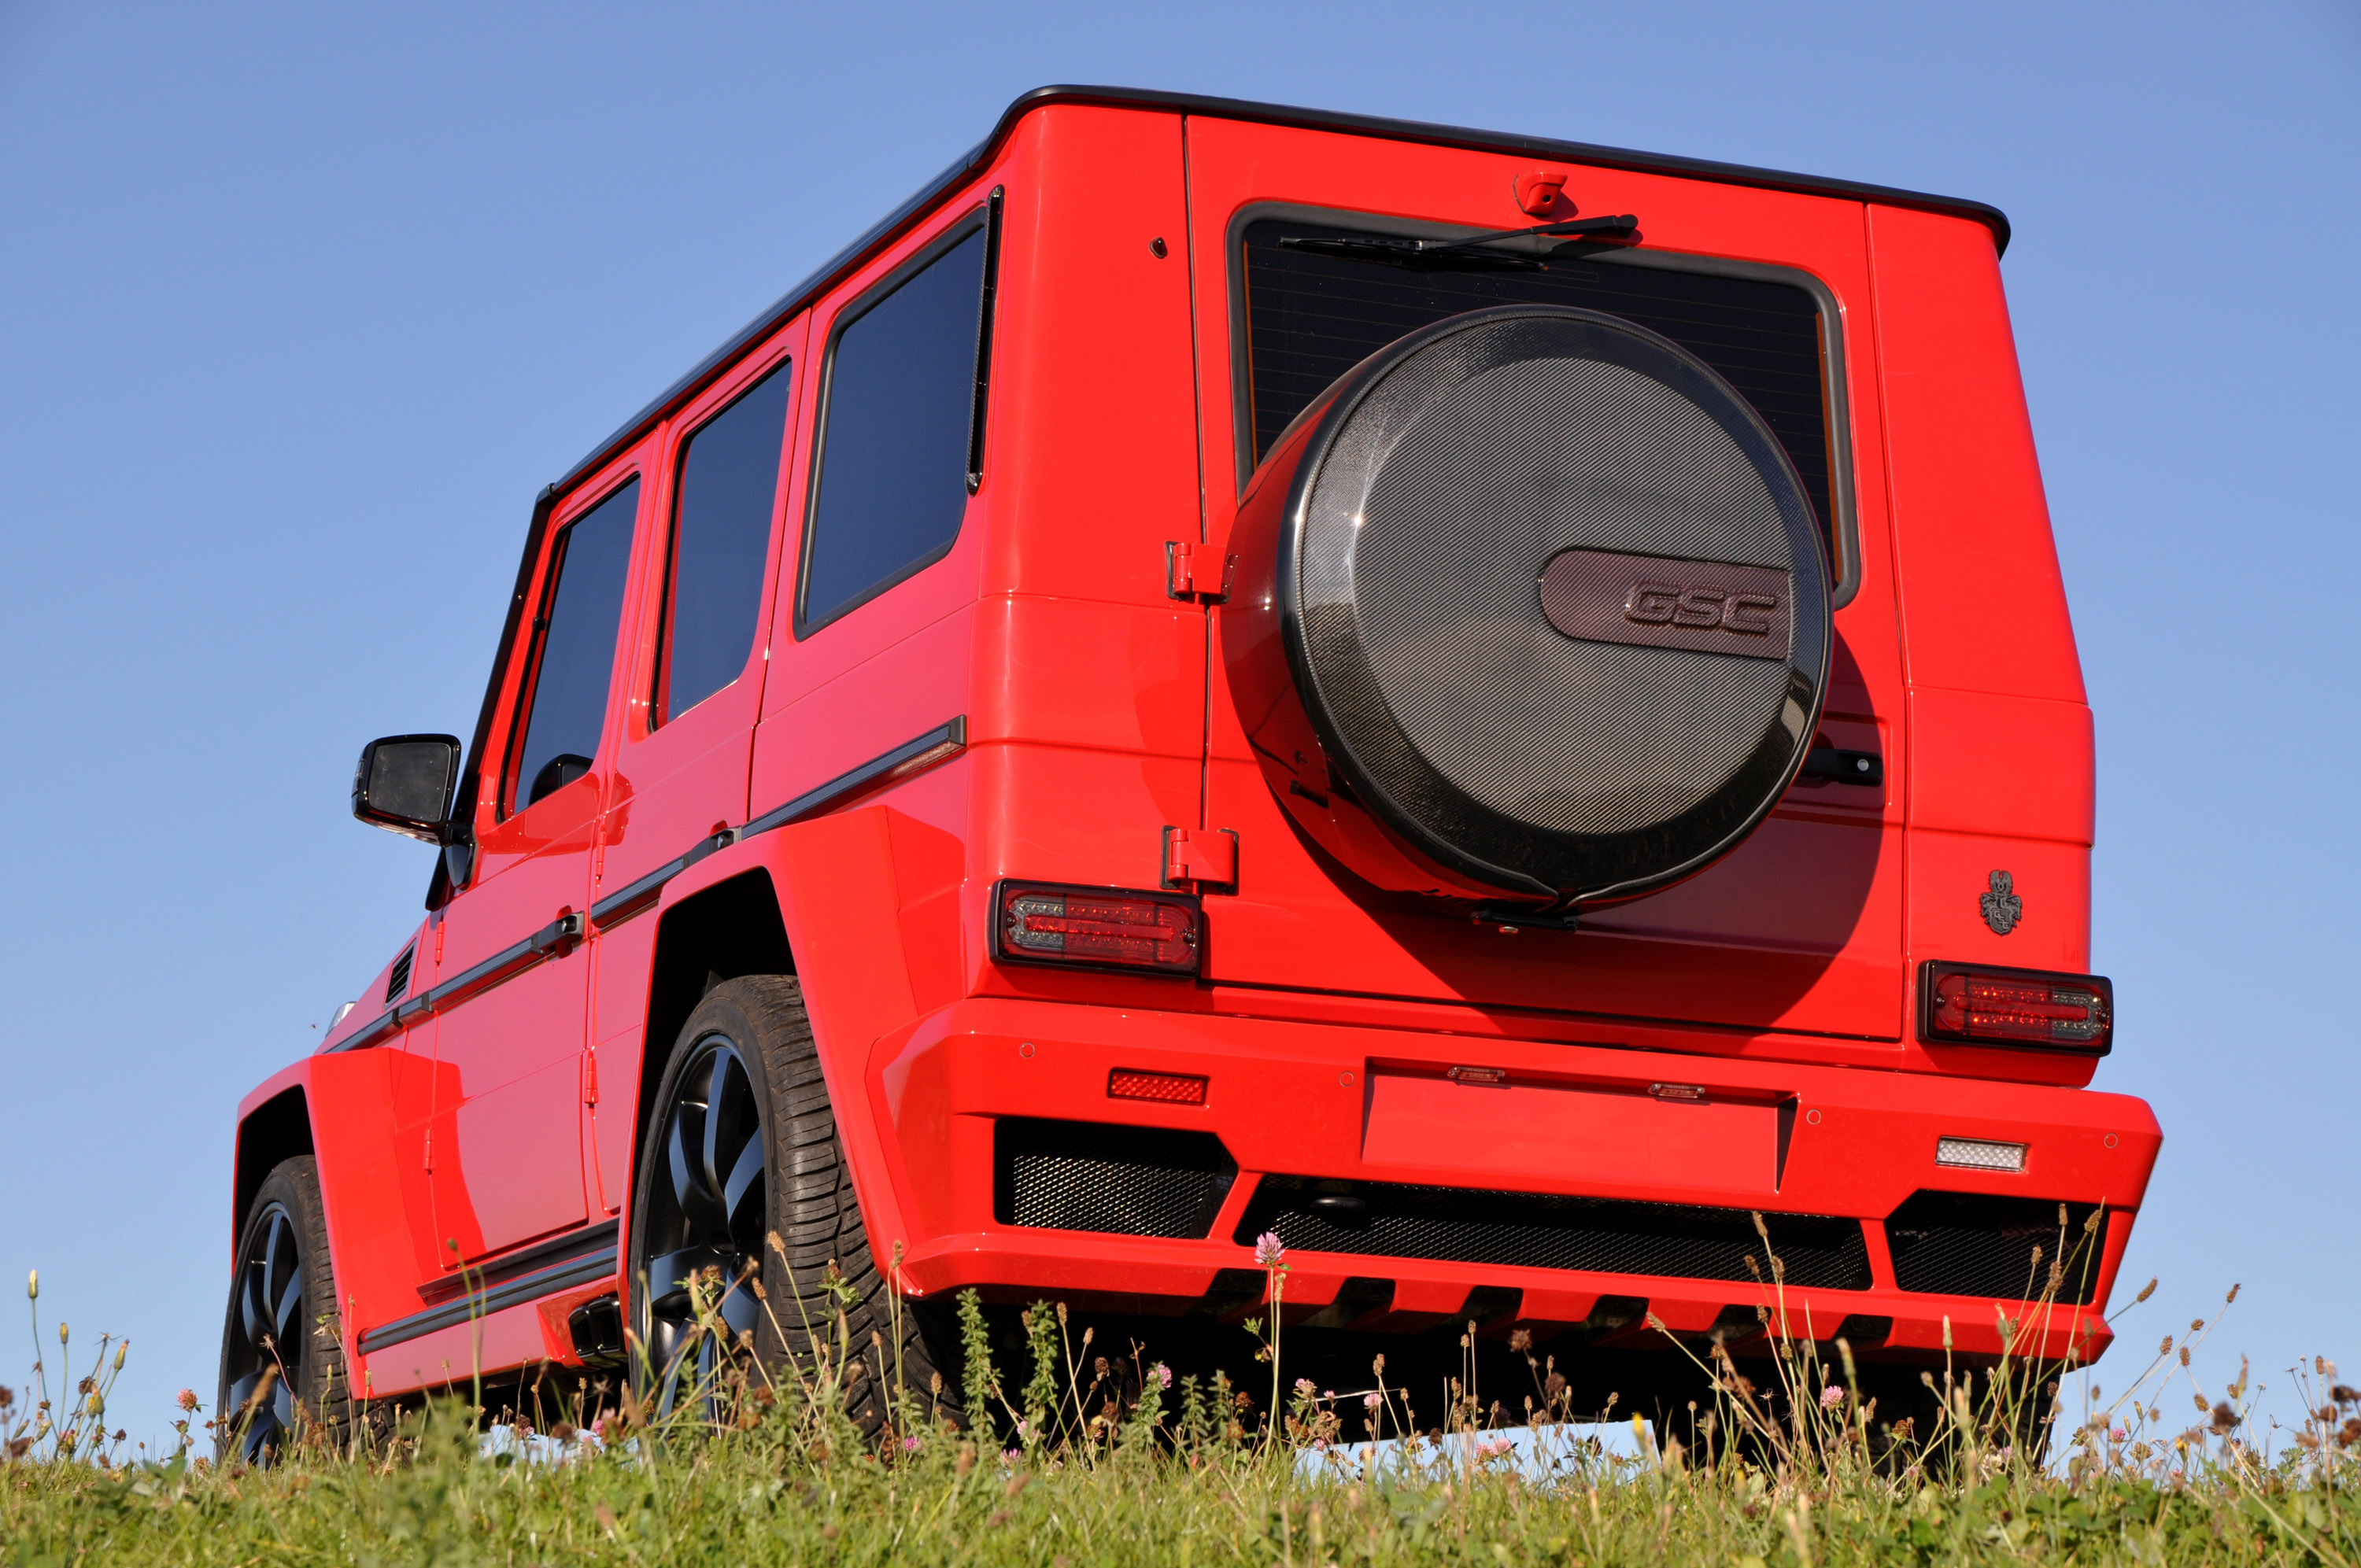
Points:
(1972, 1004)
(1167, 1088)
(1098, 927)
(1978, 1154)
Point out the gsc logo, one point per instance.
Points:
(1700, 608)
(1656, 601)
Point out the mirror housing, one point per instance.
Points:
(404, 784)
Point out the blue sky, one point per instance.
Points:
(300, 305)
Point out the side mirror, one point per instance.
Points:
(404, 784)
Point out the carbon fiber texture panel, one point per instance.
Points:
(1440, 487)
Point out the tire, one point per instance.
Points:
(742, 1145)
(282, 1336)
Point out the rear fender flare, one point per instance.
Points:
(834, 882)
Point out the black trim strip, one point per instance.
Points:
(940, 744)
(482, 1303)
(834, 270)
(907, 758)
(557, 937)
(983, 340)
(529, 1260)
(913, 756)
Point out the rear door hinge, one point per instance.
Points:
(590, 1077)
(1203, 860)
(1192, 572)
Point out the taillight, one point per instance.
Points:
(1099, 928)
(1972, 1004)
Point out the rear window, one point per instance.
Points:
(1309, 318)
(720, 537)
(897, 433)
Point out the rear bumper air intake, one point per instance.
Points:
(1528, 1230)
(1968, 1243)
(1121, 1180)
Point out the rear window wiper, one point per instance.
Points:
(1476, 253)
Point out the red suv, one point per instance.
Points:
(1499, 711)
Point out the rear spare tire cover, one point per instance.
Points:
(1550, 599)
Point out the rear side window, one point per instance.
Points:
(903, 401)
(720, 539)
(565, 696)
(1310, 317)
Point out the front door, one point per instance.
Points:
(506, 1158)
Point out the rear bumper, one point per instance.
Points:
(1373, 1110)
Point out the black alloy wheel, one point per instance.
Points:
(700, 1235)
(266, 1343)
(740, 1151)
(282, 1364)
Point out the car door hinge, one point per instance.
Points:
(590, 1077)
(1193, 573)
(428, 1161)
(1204, 860)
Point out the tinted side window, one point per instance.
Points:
(574, 654)
(720, 537)
(894, 455)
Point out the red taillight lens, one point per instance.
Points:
(1111, 929)
(1169, 1088)
(1971, 1005)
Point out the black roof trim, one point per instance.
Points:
(844, 261)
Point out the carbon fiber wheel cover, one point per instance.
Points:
(1554, 602)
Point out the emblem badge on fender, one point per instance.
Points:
(1649, 601)
(2002, 909)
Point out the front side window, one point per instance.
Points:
(721, 538)
(896, 434)
(565, 694)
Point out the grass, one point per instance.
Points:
(1097, 1459)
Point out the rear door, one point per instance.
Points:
(1799, 928)
(687, 718)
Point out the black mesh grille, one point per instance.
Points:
(1528, 1230)
(1313, 317)
(1965, 1244)
(1132, 1181)
(397, 984)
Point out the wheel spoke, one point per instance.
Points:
(669, 1274)
(250, 1314)
(677, 1160)
(719, 1104)
(278, 1260)
(739, 1310)
(287, 1317)
(745, 1178)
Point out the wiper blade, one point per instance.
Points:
(1476, 253)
